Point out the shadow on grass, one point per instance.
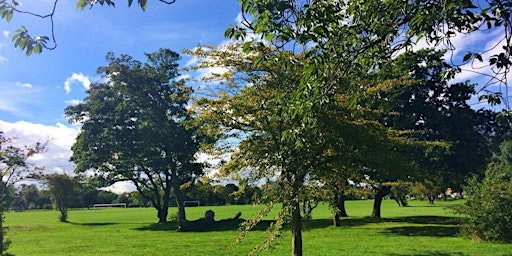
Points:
(426, 230)
(93, 223)
(168, 226)
(317, 223)
(432, 253)
(424, 220)
(437, 220)
(173, 226)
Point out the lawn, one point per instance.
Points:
(420, 229)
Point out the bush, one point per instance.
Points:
(489, 202)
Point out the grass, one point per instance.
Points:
(420, 229)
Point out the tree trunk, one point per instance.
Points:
(162, 214)
(383, 191)
(181, 209)
(2, 232)
(339, 209)
(63, 214)
(296, 224)
(403, 201)
(341, 204)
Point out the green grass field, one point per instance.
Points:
(420, 229)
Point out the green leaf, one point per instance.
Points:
(143, 4)
(479, 57)
(38, 49)
(8, 17)
(468, 56)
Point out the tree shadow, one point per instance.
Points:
(168, 226)
(354, 222)
(425, 230)
(317, 223)
(424, 220)
(431, 253)
(231, 226)
(433, 220)
(92, 224)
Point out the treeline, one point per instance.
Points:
(30, 197)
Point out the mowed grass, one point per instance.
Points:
(420, 229)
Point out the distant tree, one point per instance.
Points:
(105, 197)
(134, 129)
(426, 189)
(62, 188)
(227, 193)
(13, 168)
(488, 207)
(30, 196)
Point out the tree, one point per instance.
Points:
(426, 189)
(14, 168)
(488, 206)
(295, 149)
(374, 31)
(62, 188)
(133, 129)
(435, 110)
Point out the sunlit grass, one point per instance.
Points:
(421, 229)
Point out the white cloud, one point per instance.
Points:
(6, 33)
(60, 139)
(24, 85)
(72, 102)
(3, 59)
(121, 187)
(77, 77)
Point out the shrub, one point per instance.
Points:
(489, 202)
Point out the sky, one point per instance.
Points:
(35, 90)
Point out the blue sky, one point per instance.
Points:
(35, 90)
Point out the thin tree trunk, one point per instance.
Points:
(339, 210)
(2, 249)
(341, 204)
(181, 208)
(383, 191)
(296, 224)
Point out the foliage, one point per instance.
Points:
(295, 143)
(488, 204)
(427, 190)
(61, 188)
(133, 129)
(432, 109)
(372, 32)
(14, 168)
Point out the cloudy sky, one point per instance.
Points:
(35, 90)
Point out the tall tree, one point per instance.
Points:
(14, 168)
(295, 149)
(133, 129)
(435, 110)
(61, 188)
